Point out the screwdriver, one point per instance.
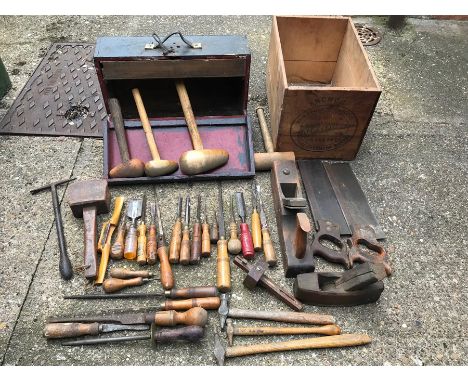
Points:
(141, 246)
(186, 333)
(111, 284)
(176, 237)
(152, 245)
(167, 278)
(196, 237)
(268, 249)
(206, 242)
(245, 237)
(117, 249)
(256, 228)
(234, 244)
(214, 230)
(182, 293)
(184, 258)
(223, 271)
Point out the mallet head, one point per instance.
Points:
(89, 192)
(134, 168)
(160, 167)
(195, 162)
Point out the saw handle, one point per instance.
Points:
(246, 241)
(70, 329)
(335, 256)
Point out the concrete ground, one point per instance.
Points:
(412, 166)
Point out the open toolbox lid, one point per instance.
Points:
(217, 79)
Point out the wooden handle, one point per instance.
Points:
(223, 269)
(194, 316)
(90, 260)
(130, 251)
(203, 302)
(141, 246)
(167, 278)
(256, 231)
(151, 246)
(146, 124)
(122, 273)
(234, 244)
(328, 330)
(101, 236)
(246, 241)
(281, 316)
(70, 329)
(103, 263)
(300, 240)
(268, 249)
(113, 285)
(264, 161)
(205, 241)
(188, 113)
(184, 257)
(117, 121)
(341, 340)
(174, 245)
(196, 249)
(265, 131)
(204, 291)
(184, 333)
(117, 250)
(214, 237)
(118, 204)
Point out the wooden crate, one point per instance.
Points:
(321, 88)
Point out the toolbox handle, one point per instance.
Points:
(160, 43)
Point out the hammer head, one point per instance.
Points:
(223, 309)
(219, 351)
(89, 193)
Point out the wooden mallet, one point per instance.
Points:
(86, 199)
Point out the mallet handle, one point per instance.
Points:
(189, 116)
(117, 121)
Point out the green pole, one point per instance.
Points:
(5, 83)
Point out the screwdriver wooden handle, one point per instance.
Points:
(184, 257)
(184, 333)
(122, 273)
(246, 241)
(196, 250)
(308, 343)
(194, 316)
(214, 237)
(130, 252)
(117, 250)
(223, 269)
(203, 302)
(151, 246)
(70, 329)
(141, 244)
(167, 278)
(174, 245)
(256, 231)
(113, 285)
(268, 249)
(203, 291)
(234, 244)
(206, 242)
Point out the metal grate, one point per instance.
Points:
(62, 97)
(368, 35)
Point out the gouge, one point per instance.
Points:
(152, 245)
(214, 230)
(184, 257)
(194, 316)
(231, 330)
(268, 249)
(112, 285)
(176, 237)
(141, 242)
(223, 270)
(192, 292)
(256, 228)
(117, 249)
(206, 242)
(196, 249)
(133, 212)
(337, 341)
(109, 228)
(186, 333)
(77, 329)
(245, 236)
(165, 270)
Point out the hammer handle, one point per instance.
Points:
(206, 243)
(113, 285)
(203, 302)
(90, 260)
(151, 246)
(184, 257)
(141, 244)
(195, 253)
(70, 329)
(130, 252)
(117, 250)
(246, 241)
(281, 316)
(264, 129)
(268, 249)
(167, 278)
(328, 330)
(223, 270)
(341, 340)
(174, 245)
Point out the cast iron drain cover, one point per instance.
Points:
(368, 35)
(62, 97)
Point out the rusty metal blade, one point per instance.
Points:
(117, 318)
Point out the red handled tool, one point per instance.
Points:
(245, 236)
